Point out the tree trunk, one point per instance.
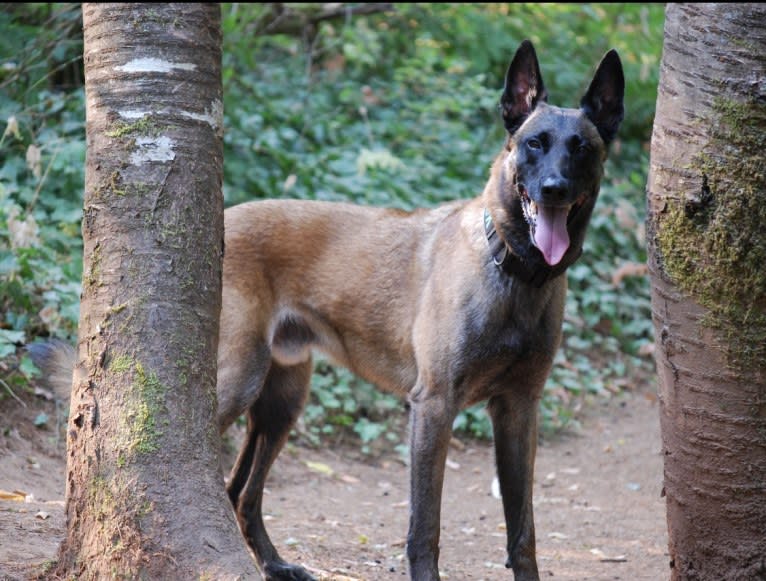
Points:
(707, 250)
(145, 494)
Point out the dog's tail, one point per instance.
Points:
(55, 359)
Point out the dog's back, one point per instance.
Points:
(340, 278)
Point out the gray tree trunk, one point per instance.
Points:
(145, 493)
(707, 251)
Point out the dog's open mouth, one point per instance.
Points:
(548, 226)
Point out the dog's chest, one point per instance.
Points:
(513, 337)
(507, 340)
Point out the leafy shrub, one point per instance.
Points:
(42, 154)
(401, 110)
(341, 401)
(395, 109)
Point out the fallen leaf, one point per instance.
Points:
(617, 559)
(42, 515)
(16, 495)
(629, 269)
(557, 536)
(34, 160)
(44, 393)
(571, 471)
(550, 480)
(605, 559)
(322, 575)
(452, 464)
(289, 182)
(320, 467)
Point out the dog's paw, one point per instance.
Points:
(281, 571)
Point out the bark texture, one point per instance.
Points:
(707, 250)
(145, 494)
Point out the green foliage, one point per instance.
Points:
(42, 153)
(396, 109)
(401, 110)
(341, 401)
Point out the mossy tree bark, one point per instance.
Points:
(707, 250)
(145, 494)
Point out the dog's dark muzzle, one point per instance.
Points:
(554, 192)
(549, 217)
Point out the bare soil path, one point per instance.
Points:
(598, 507)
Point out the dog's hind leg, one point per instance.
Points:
(238, 390)
(514, 422)
(241, 470)
(269, 421)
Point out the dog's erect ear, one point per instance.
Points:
(602, 103)
(524, 87)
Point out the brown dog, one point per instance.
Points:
(452, 306)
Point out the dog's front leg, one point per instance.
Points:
(430, 430)
(514, 422)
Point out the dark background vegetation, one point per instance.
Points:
(395, 108)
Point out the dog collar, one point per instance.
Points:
(512, 265)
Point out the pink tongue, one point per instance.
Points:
(551, 236)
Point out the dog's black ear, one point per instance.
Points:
(524, 87)
(603, 102)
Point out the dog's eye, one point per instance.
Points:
(534, 144)
(583, 148)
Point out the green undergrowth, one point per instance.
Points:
(396, 109)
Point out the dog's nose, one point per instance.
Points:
(554, 189)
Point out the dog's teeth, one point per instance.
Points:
(533, 207)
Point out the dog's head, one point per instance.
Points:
(552, 167)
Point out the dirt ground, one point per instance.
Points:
(598, 510)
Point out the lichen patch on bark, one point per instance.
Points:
(713, 245)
